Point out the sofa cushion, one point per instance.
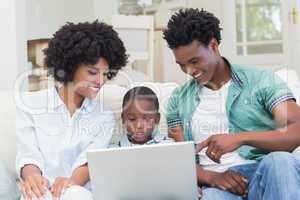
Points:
(112, 96)
(8, 129)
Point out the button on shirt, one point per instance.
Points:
(48, 137)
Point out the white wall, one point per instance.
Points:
(21, 36)
(44, 17)
(13, 44)
(104, 9)
(171, 70)
(213, 6)
(292, 41)
(13, 59)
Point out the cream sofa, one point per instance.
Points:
(111, 94)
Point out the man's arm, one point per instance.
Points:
(286, 138)
(175, 124)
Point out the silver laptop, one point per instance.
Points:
(152, 172)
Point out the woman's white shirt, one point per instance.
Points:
(52, 140)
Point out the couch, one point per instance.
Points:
(111, 94)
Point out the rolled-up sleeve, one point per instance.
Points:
(172, 111)
(100, 140)
(274, 91)
(27, 145)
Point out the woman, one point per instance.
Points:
(58, 125)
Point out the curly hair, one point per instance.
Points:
(84, 43)
(191, 24)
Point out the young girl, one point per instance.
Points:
(55, 127)
(140, 116)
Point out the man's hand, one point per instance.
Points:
(230, 181)
(33, 183)
(59, 185)
(218, 145)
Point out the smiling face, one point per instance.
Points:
(88, 79)
(198, 61)
(140, 118)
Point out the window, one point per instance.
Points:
(258, 27)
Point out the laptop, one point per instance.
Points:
(148, 172)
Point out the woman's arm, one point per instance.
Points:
(29, 170)
(29, 161)
(81, 175)
(33, 184)
(28, 152)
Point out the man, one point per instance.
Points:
(254, 106)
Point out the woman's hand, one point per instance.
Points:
(33, 184)
(59, 185)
